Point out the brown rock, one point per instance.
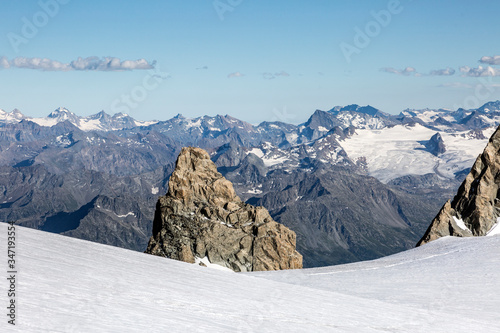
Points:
(476, 207)
(201, 216)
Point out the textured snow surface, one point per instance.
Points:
(70, 285)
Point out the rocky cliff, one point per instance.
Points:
(476, 207)
(202, 217)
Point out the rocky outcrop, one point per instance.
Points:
(476, 207)
(435, 145)
(202, 217)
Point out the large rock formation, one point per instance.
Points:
(435, 145)
(201, 216)
(476, 207)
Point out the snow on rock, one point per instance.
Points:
(125, 215)
(11, 117)
(322, 129)
(46, 122)
(495, 230)
(89, 125)
(207, 263)
(460, 223)
(196, 123)
(270, 154)
(273, 160)
(155, 190)
(145, 123)
(67, 285)
(254, 190)
(256, 151)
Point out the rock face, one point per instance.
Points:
(436, 145)
(476, 207)
(201, 216)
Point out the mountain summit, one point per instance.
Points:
(475, 210)
(201, 219)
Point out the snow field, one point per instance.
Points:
(397, 151)
(70, 285)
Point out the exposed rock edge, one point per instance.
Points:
(476, 207)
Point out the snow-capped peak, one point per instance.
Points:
(100, 121)
(61, 113)
(11, 117)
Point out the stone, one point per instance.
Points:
(436, 145)
(201, 216)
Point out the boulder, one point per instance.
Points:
(202, 217)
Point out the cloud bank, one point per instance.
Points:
(406, 71)
(480, 71)
(495, 60)
(270, 76)
(106, 64)
(412, 71)
(235, 74)
(455, 85)
(442, 72)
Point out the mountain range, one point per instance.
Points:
(355, 183)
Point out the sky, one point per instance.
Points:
(256, 60)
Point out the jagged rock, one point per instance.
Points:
(435, 145)
(476, 207)
(201, 216)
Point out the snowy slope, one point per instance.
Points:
(450, 279)
(69, 285)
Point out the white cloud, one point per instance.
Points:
(455, 85)
(495, 60)
(412, 71)
(282, 73)
(4, 63)
(39, 63)
(407, 71)
(235, 74)
(270, 76)
(81, 64)
(479, 71)
(443, 72)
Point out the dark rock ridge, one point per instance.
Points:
(435, 145)
(202, 217)
(476, 207)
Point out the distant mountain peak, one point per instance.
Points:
(490, 106)
(61, 113)
(119, 115)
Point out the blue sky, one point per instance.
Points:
(253, 59)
